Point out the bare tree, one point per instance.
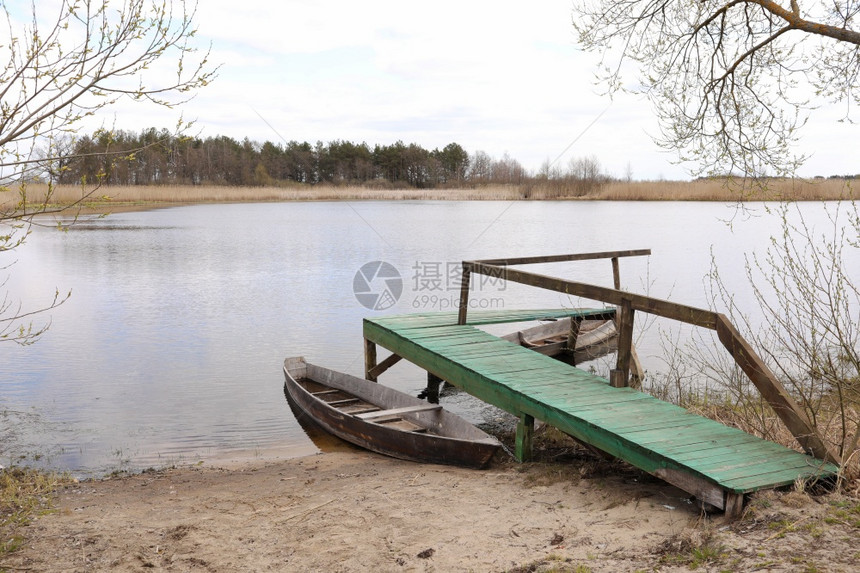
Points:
(58, 69)
(480, 168)
(732, 81)
(586, 169)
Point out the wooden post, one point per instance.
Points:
(637, 373)
(369, 360)
(575, 324)
(620, 377)
(616, 273)
(525, 432)
(464, 293)
(432, 391)
(734, 505)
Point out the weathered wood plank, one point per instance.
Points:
(398, 411)
(702, 489)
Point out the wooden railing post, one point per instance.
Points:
(616, 273)
(620, 377)
(637, 373)
(464, 292)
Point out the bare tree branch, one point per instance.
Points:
(732, 82)
(58, 69)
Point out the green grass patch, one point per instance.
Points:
(24, 494)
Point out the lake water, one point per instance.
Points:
(171, 346)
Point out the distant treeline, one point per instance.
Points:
(158, 157)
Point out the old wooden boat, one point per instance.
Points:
(595, 338)
(385, 420)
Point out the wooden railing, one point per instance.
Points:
(794, 418)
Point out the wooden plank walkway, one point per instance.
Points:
(716, 463)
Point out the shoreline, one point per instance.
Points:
(351, 510)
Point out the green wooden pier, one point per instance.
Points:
(716, 463)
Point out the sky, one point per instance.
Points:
(496, 76)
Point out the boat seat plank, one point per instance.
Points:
(344, 401)
(398, 411)
(365, 410)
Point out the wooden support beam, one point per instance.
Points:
(773, 391)
(620, 377)
(525, 434)
(704, 490)
(596, 451)
(734, 505)
(369, 359)
(377, 370)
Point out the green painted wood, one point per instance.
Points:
(624, 422)
(482, 317)
(702, 444)
(525, 433)
(778, 478)
(755, 453)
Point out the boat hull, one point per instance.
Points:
(596, 338)
(438, 436)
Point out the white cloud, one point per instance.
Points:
(497, 76)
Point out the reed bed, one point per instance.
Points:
(700, 190)
(731, 190)
(180, 194)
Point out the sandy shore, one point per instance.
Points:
(351, 510)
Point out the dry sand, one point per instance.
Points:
(351, 510)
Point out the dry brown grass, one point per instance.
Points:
(730, 190)
(177, 194)
(704, 190)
